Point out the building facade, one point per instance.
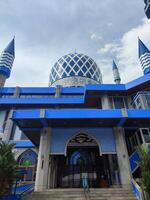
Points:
(78, 126)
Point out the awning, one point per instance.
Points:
(31, 122)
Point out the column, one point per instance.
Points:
(111, 167)
(9, 122)
(2, 80)
(51, 173)
(105, 102)
(41, 182)
(123, 159)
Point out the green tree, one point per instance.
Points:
(8, 167)
(144, 164)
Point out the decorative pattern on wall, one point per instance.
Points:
(82, 138)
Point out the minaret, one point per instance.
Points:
(144, 57)
(6, 62)
(116, 74)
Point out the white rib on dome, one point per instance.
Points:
(75, 70)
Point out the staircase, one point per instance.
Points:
(78, 194)
(112, 194)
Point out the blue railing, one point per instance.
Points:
(134, 158)
(17, 193)
(23, 189)
(137, 190)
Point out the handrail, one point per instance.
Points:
(137, 190)
(28, 190)
(24, 189)
(85, 186)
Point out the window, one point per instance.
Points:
(117, 102)
(148, 100)
(146, 135)
(139, 137)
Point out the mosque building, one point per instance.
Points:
(78, 126)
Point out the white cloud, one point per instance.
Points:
(80, 25)
(96, 37)
(106, 70)
(108, 48)
(109, 24)
(126, 52)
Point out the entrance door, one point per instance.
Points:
(83, 162)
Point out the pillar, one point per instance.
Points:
(2, 80)
(58, 91)
(105, 102)
(9, 122)
(41, 181)
(111, 166)
(123, 159)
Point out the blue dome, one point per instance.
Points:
(75, 70)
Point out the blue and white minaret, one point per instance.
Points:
(6, 62)
(144, 57)
(116, 73)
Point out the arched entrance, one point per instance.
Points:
(28, 161)
(83, 159)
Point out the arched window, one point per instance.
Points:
(28, 161)
(29, 157)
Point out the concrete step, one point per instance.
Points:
(114, 195)
(113, 198)
(78, 194)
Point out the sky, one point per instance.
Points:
(46, 30)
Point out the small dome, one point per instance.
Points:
(75, 70)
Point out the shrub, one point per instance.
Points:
(7, 167)
(144, 164)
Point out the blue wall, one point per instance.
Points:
(61, 136)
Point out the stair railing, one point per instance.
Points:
(137, 190)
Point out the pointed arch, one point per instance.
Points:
(28, 157)
(82, 138)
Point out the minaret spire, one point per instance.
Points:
(144, 57)
(116, 74)
(6, 62)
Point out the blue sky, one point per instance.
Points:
(46, 30)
